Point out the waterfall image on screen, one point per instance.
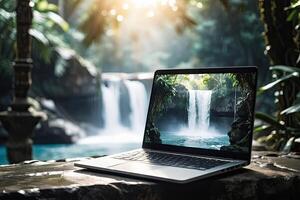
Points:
(198, 109)
(209, 111)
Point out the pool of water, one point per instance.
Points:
(213, 142)
(61, 151)
(110, 143)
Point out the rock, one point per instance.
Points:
(57, 131)
(296, 146)
(227, 104)
(72, 76)
(268, 177)
(176, 111)
(152, 134)
(238, 131)
(240, 128)
(74, 85)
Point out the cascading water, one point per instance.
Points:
(198, 132)
(114, 131)
(111, 110)
(138, 104)
(199, 109)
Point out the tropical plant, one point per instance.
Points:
(7, 35)
(281, 20)
(52, 39)
(46, 28)
(280, 135)
(165, 89)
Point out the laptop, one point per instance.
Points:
(199, 124)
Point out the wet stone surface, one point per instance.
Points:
(270, 176)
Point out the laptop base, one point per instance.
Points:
(155, 171)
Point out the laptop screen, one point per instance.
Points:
(205, 110)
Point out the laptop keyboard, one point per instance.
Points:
(171, 160)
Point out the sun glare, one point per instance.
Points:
(149, 7)
(144, 3)
(143, 8)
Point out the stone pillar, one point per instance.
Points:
(20, 119)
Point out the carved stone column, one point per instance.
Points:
(20, 119)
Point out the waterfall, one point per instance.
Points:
(111, 108)
(199, 109)
(138, 104)
(114, 131)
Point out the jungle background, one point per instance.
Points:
(76, 44)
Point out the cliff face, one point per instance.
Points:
(240, 132)
(176, 113)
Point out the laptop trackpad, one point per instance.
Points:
(157, 171)
(135, 167)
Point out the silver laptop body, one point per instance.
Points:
(199, 124)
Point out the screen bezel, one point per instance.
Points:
(200, 151)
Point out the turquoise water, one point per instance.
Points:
(213, 142)
(116, 144)
(61, 151)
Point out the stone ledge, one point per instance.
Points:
(268, 177)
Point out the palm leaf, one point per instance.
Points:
(280, 80)
(294, 5)
(58, 20)
(38, 17)
(292, 109)
(262, 128)
(269, 120)
(284, 68)
(39, 36)
(5, 15)
(45, 6)
(50, 17)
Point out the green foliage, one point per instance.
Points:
(276, 126)
(7, 35)
(282, 22)
(291, 76)
(288, 77)
(50, 32)
(293, 16)
(213, 81)
(46, 27)
(230, 34)
(166, 89)
(222, 85)
(269, 120)
(167, 83)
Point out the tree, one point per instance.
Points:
(282, 31)
(230, 35)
